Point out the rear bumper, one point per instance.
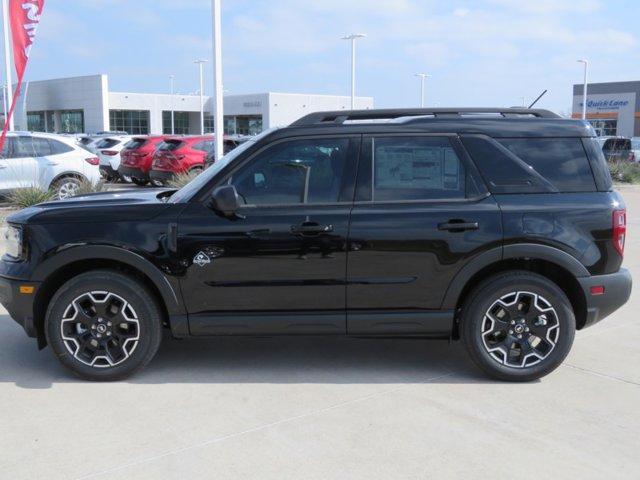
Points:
(133, 172)
(19, 305)
(106, 171)
(617, 290)
(160, 175)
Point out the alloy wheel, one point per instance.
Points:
(520, 329)
(67, 189)
(100, 329)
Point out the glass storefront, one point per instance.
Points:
(71, 121)
(243, 125)
(35, 121)
(605, 127)
(134, 122)
(180, 122)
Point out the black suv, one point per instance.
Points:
(498, 227)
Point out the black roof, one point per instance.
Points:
(494, 122)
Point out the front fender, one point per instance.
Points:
(169, 291)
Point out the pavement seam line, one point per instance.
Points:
(258, 428)
(604, 375)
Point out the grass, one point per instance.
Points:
(625, 172)
(87, 187)
(181, 179)
(27, 197)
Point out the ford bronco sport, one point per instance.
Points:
(498, 227)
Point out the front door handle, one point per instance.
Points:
(311, 228)
(458, 226)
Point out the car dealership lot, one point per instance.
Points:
(328, 408)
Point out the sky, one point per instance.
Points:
(479, 53)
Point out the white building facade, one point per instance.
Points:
(85, 105)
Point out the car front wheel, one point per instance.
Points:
(103, 325)
(517, 326)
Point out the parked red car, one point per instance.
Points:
(179, 155)
(137, 156)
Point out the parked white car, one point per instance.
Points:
(108, 151)
(47, 161)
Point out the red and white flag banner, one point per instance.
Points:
(24, 17)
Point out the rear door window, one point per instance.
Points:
(561, 161)
(170, 145)
(59, 147)
(41, 147)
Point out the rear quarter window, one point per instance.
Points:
(561, 161)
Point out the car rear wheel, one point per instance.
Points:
(517, 326)
(103, 325)
(66, 187)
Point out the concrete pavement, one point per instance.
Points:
(328, 409)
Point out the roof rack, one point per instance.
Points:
(341, 116)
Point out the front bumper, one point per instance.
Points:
(18, 304)
(617, 290)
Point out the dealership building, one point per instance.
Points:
(613, 108)
(86, 105)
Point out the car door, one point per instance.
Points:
(280, 267)
(19, 170)
(421, 213)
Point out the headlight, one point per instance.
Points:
(11, 243)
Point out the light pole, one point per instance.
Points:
(201, 64)
(353, 38)
(422, 78)
(218, 118)
(584, 89)
(173, 129)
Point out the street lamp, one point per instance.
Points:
(584, 89)
(173, 130)
(422, 78)
(218, 116)
(201, 64)
(353, 38)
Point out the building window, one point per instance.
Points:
(71, 121)
(51, 121)
(243, 125)
(35, 121)
(208, 123)
(604, 127)
(134, 122)
(180, 123)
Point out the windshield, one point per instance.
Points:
(190, 189)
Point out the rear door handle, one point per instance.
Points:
(311, 228)
(458, 226)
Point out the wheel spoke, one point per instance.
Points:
(517, 336)
(101, 329)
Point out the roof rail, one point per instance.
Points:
(341, 116)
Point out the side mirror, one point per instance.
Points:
(225, 201)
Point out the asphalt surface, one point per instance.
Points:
(328, 409)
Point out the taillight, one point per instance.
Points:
(92, 160)
(632, 156)
(619, 230)
(110, 153)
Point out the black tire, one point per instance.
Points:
(158, 183)
(139, 181)
(499, 329)
(129, 342)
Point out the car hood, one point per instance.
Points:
(120, 206)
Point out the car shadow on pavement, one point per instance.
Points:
(279, 360)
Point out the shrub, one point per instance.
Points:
(181, 179)
(625, 172)
(88, 187)
(27, 197)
